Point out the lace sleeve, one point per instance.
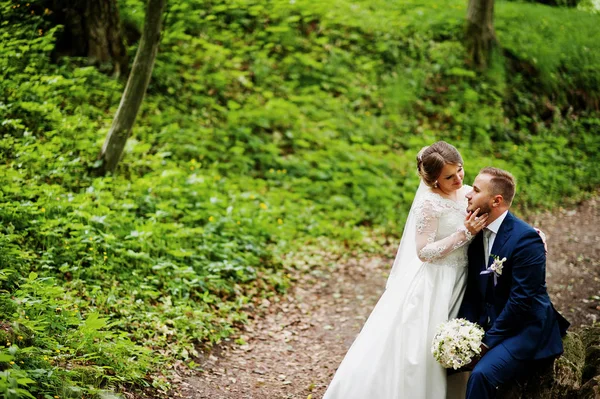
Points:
(427, 224)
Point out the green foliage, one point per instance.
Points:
(269, 128)
(559, 48)
(591, 6)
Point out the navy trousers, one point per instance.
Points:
(497, 367)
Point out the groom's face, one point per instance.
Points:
(480, 195)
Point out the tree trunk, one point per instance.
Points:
(135, 89)
(92, 29)
(105, 36)
(481, 37)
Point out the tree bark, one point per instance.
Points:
(92, 29)
(105, 35)
(135, 90)
(480, 34)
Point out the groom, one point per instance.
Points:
(509, 299)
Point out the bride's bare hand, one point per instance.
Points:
(475, 223)
(543, 235)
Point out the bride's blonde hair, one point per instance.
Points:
(431, 161)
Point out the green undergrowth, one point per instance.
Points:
(270, 130)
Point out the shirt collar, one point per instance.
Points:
(495, 225)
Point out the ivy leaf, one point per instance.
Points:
(94, 322)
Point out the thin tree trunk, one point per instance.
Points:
(481, 37)
(135, 90)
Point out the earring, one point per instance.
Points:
(435, 185)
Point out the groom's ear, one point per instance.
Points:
(498, 200)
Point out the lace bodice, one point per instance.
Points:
(441, 236)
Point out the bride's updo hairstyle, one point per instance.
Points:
(431, 161)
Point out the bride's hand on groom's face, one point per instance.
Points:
(475, 222)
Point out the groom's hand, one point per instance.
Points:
(469, 367)
(484, 350)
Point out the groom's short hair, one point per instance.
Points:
(502, 182)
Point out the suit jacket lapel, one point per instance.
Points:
(502, 235)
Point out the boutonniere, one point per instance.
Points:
(495, 268)
(498, 264)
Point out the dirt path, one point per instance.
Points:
(295, 345)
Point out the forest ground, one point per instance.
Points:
(295, 343)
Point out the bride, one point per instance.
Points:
(391, 357)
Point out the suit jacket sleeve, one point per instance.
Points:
(528, 276)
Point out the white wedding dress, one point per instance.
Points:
(391, 357)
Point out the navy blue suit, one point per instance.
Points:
(520, 322)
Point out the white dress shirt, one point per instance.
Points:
(493, 228)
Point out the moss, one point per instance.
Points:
(568, 368)
(574, 349)
(590, 335)
(591, 389)
(591, 340)
(562, 379)
(592, 363)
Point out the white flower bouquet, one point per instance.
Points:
(456, 342)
